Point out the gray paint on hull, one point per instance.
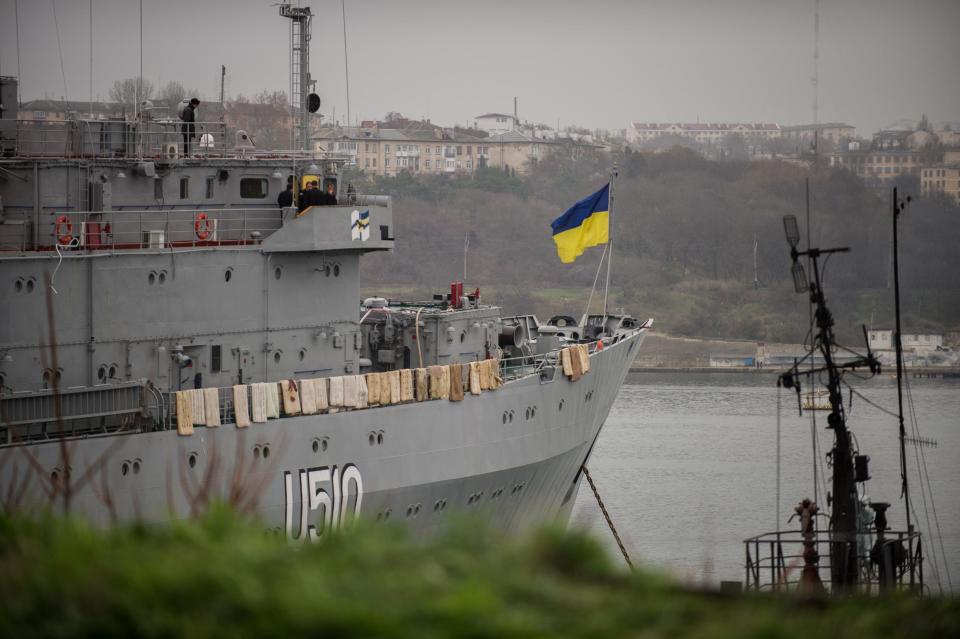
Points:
(430, 451)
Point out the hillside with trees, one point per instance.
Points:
(684, 231)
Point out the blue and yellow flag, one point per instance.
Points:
(585, 224)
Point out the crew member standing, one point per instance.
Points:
(285, 199)
(189, 116)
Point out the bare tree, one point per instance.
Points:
(127, 91)
(172, 93)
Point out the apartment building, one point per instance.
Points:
(437, 151)
(944, 179)
(704, 133)
(834, 132)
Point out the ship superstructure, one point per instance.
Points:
(170, 335)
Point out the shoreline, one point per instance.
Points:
(915, 373)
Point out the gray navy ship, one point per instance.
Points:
(170, 337)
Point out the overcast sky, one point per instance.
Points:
(596, 64)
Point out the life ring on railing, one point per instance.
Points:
(599, 345)
(202, 226)
(63, 230)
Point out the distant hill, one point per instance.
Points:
(684, 232)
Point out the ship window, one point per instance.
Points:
(209, 193)
(253, 188)
(216, 353)
(184, 188)
(158, 189)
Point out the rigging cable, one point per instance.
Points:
(16, 17)
(595, 280)
(56, 25)
(925, 479)
(346, 66)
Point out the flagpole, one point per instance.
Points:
(606, 289)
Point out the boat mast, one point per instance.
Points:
(301, 19)
(844, 562)
(898, 208)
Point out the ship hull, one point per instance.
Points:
(513, 454)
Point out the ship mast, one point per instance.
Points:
(844, 562)
(301, 19)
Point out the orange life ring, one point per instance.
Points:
(64, 230)
(202, 226)
(599, 344)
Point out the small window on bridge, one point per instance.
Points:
(184, 188)
(253, 188)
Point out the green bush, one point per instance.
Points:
(222, 577)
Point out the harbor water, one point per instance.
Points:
(687, 467)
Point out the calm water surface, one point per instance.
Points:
(686, 465)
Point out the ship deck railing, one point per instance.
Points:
(146, 140)
(147, 229)
(774, 562)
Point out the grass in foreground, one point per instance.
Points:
(224, 577)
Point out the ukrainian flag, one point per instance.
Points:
(585, 224)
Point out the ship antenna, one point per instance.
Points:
(898, 208)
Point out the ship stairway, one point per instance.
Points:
(48, 414)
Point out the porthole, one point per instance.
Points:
(315, 445)
(387, 513)
(124, 468)
(256, 452)
(46, 375)
(527, 414)
(533, 412)
(504, 417)
(162, 277)
(416, 509)
(560, 406)
(372, 438)
(336, 270)
(192, 460)
(278, 272)
(380, 437)
(511, 416)
(112, 373)
(102, 373)
(54, 476)
(326, 270)
(409, 511)
(30, 283)
(302, 354)
(323, 445)
(266, 451)
(463, 336)
(135, 466)
(18, 285)
(151, 278)
(228, 275)
(276, 357)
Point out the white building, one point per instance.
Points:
(496, 123)
(881, 339)
(704, 133)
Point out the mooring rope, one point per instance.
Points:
(606, 516)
